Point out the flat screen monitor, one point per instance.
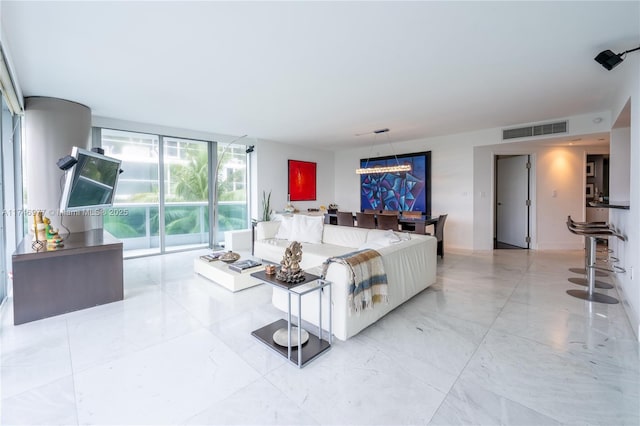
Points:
(91, 182)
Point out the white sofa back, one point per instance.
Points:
(266, 230)
(345, 236)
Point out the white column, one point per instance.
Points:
(52, 128)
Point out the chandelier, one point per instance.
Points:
(383, 169)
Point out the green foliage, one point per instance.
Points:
(191, 181)
(232, 217)
(119, 229)
(182, 221)
(266, 206)
(144, 197)
(226, 190)
(132, 225)
(239, 195)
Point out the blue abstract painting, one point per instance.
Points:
(405, 191)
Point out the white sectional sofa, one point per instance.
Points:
(410, 265)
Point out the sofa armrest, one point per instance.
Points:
(266, 230)
(238, 240)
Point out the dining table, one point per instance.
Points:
(416, 225)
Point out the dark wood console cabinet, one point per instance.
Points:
(86, 272)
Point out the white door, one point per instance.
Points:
(512, 194)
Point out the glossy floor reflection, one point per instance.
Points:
(495, 341)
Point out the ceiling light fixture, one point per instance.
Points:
(610, 60)
(383, 169)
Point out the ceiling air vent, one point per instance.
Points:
(537, 130)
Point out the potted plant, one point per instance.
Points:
(266, 206)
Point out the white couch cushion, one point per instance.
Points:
(346, 236)
(380, 238)
(307, 229)
(379, 234)
(286, 225)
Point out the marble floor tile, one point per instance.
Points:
(210, 303)
(474, 405)
(164, 384)
(31, 333)
(568, 389)
(33, 354)
(443, 341)
(499, 289)
(235, 332)
(553, 293)
(496, 340)
(259, 403)
(356, 384)
(140, 322)
(483, 305)
(55, 403)
(592, 336)
(419, 367)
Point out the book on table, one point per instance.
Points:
(213, 256)
(241, 265)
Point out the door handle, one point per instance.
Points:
(499, 204)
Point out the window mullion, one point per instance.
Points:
(161, 197)
(213, 202)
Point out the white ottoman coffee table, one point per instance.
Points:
(219, 272)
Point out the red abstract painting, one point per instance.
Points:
(302, 180)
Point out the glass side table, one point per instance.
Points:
(302, 353)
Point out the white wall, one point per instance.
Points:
(557, 190)
(451, 186)
(462, 181)
(4, 43)
(628, 221)
(619, 164)
(270, 171)
(133, 126)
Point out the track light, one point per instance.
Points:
(610, 60)
(66, 162)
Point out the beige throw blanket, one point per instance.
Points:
(368, 279)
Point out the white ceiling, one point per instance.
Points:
(318, 73)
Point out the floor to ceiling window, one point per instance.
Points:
(162, 199)
(135, 218)
(11, 229)
(3, 234)
(186, 193)
(233, 212)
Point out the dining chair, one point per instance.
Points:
(439, 234)
(371, 211)
(390, 212)
(386, 221)
(365, 220)
(345, 218)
